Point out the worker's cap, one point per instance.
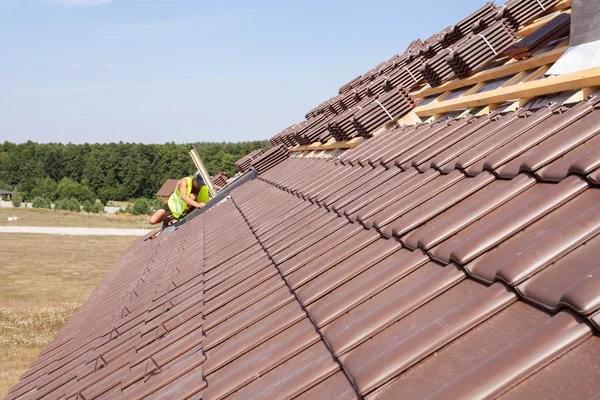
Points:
(198, 178)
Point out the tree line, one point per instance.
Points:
(111, 171)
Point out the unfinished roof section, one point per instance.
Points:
(451, 258)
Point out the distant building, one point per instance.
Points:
(5, 195)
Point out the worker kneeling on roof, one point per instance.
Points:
(191, 192)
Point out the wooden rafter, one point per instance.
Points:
(331, 145)
(553, 84)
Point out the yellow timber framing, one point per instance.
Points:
(552, 84)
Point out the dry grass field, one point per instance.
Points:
(43, 279)
(38, 217)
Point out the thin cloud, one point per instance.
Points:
(70, 91)
(75, 65)
(109, 65)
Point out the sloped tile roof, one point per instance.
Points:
(448, 259)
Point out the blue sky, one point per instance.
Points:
(191, 70)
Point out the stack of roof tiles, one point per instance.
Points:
(430, 47)
(518, 12)
(342, 127)
(474, 23)
(318, 132)
(407, 75)
(243, 163)
(457, 51)
(385, 109)
(350, 85)
(220, 179)
(287, 136)
(475, 53)
(308, 127)
(351, 98)
(557, 28)
(270, 159)
(437, 70)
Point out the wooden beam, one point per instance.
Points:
(514, 79)
(334, 152)
(553, 84)
(489, 108)
(537, 73)
(494, 73)
(581, 95)
(409, 119)
(330, 145)
(473, 89)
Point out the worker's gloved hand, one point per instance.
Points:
(201, 205)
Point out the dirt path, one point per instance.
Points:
(74, 231)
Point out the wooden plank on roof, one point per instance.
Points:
(349, 144)
(409, 119)
(553, 84)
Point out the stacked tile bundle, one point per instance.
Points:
(313, 113)
(286, 136)
(518, 12)
(336, 105)
(351, 98)
(391, 64)
(414, 50)
(342, 127)
(270, 159)
(220, 179)
(407, 75)
(368, 77)
(354, 83)
(300, 132)
(472, 55)
(431, 47)
(474, 23)
(387, 108)
(243, 163)
(318, 132)
(437, 70)
(379, 86)
(559, 27)
(325, 135)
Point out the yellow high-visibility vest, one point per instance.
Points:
(176, 203)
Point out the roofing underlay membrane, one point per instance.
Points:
(455, 259)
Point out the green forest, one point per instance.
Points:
(112, 171)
